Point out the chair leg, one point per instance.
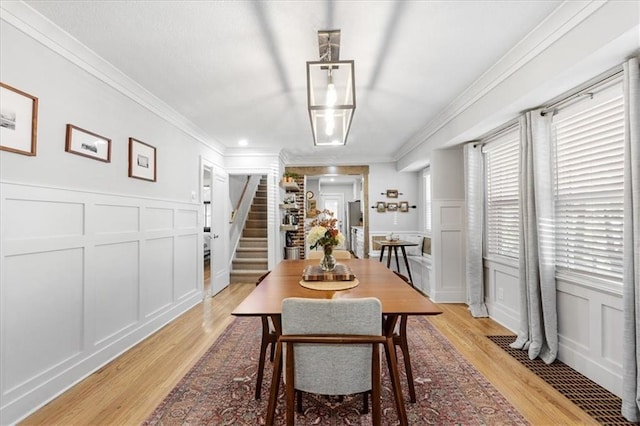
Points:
(376, 415)
(272, 340)
(290, 385)
(263, 351)
(365, 403)
(275, 385)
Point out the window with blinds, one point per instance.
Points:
(426, 181)
(501, 157)
(589, 145)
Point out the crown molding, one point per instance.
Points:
(563, 19)
(32, 23)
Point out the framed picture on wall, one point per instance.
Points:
(403, 206)
(312, 208)
(88, 144)
(392, 207)
(381, 207)
(142, 160)
(18, 120)
(392, 193)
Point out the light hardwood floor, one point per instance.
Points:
(128, 389)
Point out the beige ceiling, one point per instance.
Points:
(236, 69)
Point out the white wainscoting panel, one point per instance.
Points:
(157, 287)
(84, 277)
(156, 219)
(590, 332)
(186, 219)
(448, 252)
(452, 265)
(503, 295)
(112, 219)
(42, 314)
(612, 319)
(116, 289)
(575, 329)
(589, 322)
(25, 219)
(186, 266)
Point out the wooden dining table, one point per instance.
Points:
(374, 280)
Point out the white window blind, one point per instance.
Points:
(501, 170)
(589, 138)
(426, 181)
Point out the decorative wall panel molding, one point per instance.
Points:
(85, 276)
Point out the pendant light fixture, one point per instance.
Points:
(331, 96)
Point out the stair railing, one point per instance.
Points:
(242, 212)
(244, 190)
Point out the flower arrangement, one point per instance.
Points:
(324, 232)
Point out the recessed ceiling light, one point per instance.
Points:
(243, 142)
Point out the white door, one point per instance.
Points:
(335, 203)
(219, 234)
(206, 201)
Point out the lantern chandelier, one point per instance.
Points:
(331, 96)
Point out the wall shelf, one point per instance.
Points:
(290, 186)
(290, 206)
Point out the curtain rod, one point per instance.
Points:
(586, 89)
(496, 132)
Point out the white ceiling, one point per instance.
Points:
(236, 70)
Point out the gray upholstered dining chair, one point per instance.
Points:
(330, 347)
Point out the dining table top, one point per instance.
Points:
(374, 280)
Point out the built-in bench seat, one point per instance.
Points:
(419, 257)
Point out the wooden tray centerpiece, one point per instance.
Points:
(341, 278)
(340, 273)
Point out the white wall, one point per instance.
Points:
(92, 261)
(448, 227)
(383, 176)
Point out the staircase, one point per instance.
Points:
(250, 260)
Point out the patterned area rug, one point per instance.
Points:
(219, 389)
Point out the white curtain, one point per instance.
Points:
(474, 192)
(538, 332)
(631, 244)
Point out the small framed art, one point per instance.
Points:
(392, 207)
(381, 207)
(88, 144)
(312, 208)
(392, 193)
(18, 120)
(403, 206)
(142, 160)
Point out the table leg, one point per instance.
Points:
(381, 253)
(392, 364)
(395, 251)
(406, 263)
(277, 372)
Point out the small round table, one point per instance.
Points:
(393, 247)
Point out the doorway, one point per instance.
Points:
(335, 203)
(361, 172)
(207, 172)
